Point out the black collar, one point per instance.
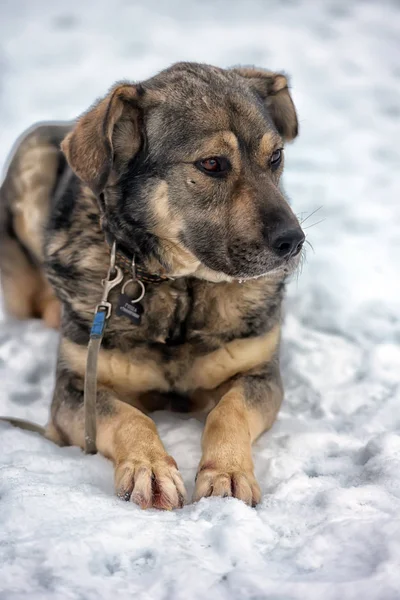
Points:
(125, 263)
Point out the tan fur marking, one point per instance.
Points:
(26, 292)
(33, 186)
(126, 425)
(226, 467)
(46, 305)
(238, 356)
(167, 226)
(19, 289)
(54, 435)
(231, 140)
(71, 424)
(228, 425)
(243, 215)
(144, 472)
(122, 372)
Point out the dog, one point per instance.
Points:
(181, 174)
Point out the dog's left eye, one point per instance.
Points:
(216, 166)
(276, 159)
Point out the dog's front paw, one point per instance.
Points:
(150, 484)
(214, 481)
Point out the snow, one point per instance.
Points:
(328, 525)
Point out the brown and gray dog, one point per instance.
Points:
(182, 171)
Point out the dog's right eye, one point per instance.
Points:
(215, 166)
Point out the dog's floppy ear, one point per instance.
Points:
(273, 89)
(107, 133)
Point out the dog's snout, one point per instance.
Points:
(287, 243)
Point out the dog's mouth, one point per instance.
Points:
(286, 268)
(240, 259)
(256, 263)
(250, 270)
(238, 263)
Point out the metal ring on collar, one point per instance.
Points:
(142, 293)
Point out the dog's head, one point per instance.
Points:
(188, 165)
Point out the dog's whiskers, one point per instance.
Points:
(313, 224)
(310, 215)
(300, 266)
(310, 244)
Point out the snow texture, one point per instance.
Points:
(328, 525)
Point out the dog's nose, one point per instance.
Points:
(288, 243)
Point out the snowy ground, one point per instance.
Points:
(328, 525)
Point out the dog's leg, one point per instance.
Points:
(248, 408)
(26, 292)
(144, 472)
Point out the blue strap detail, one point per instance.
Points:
(98, 324)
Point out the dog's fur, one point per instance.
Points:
(209, 337)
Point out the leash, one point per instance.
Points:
(120, 265)
(101, 315)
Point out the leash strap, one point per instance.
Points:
(90, 391)
(115, 275)
(101, 316)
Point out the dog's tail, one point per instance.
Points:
(50, 433)
(26, 425)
